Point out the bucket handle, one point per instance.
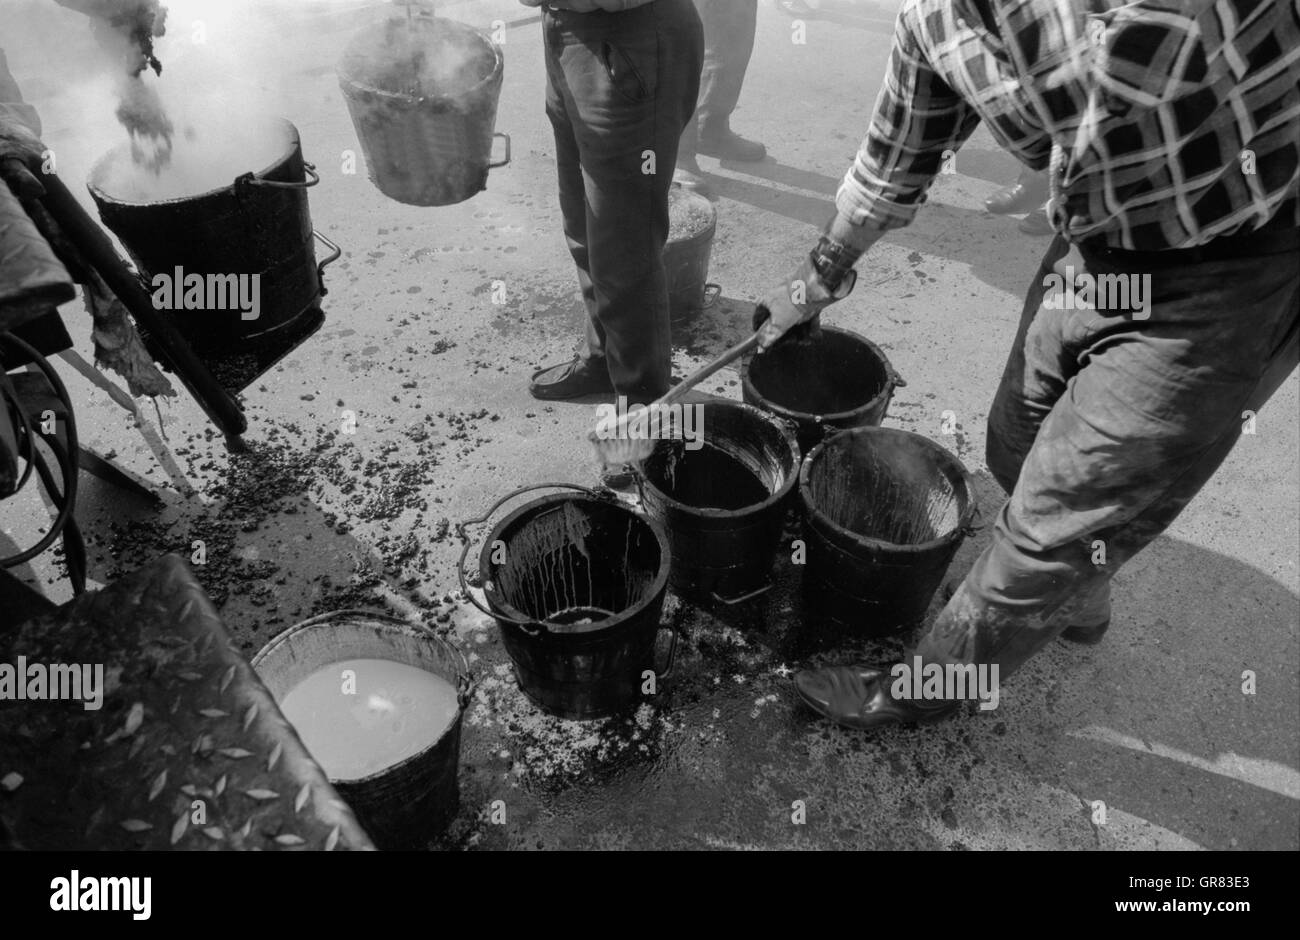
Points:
(492, 164)
(531, 627)
(335, 253)
(672, 655)
(733, 601)
(248, 179)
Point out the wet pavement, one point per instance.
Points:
(408, 412)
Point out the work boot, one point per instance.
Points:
(722, 142)
(858, 697)
(576, 378)
(1028, 191)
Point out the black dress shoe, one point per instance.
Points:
(859, 697)
(1088, 636)
(576, 378)
(726, 144)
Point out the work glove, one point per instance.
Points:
(794, 306)
(136, 23)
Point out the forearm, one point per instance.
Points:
(918, 122)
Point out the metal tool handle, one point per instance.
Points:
(493, 164)
(248, 179)
(532, 627)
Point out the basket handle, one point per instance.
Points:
(493, 164)
(532, 627)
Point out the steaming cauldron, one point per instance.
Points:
(257, 223)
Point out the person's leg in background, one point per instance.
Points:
(627, 84)
(586, 373)
(1148, 413)
(729, 29)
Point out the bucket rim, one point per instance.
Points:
(705, 234)
(787, 435)
(496, 602)
(102, 197)
(460, 663)
(964, 520)
(886, 393)
(351, 82)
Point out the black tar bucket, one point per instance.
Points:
(577, 585)
(884, 512)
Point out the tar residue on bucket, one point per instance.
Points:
(724, 504)
(885, 511)
(837, 379)
(586, 577)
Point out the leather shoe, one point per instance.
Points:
(1028, 192)
(858, 697)
(576, 378)
(1088, 636)
(726, 144)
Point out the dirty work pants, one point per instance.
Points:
(729, 28)
(1106, 426)
(620, 88)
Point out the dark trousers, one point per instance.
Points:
(1105, 427)
(621, 86)
(729, 28)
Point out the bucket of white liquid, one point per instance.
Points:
(378, 702)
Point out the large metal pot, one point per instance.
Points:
(257, 224)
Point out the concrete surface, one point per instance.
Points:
(1153, 723)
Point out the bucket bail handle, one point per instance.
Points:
(532, 627)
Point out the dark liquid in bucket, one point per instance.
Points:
(709, 478)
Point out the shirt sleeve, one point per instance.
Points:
(917, 118)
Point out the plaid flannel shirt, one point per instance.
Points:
(1166, 123)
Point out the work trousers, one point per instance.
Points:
(1106, 424)
(729, 28)
(620, 89)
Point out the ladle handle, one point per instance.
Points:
(532, 627)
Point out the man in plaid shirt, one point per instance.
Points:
(1164, 314)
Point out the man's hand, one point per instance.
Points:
(127, 25)
(799, 299)
(145, 13)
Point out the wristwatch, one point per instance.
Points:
(833, 261)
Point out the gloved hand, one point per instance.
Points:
(136, 23)
(799, 299)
